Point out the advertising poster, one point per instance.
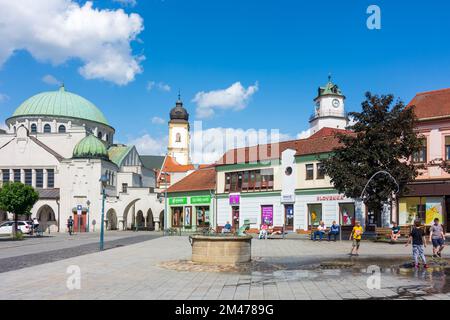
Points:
(267, 215)
(433, 210)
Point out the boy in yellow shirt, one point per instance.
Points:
(356, 235)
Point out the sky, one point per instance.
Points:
(238, 64)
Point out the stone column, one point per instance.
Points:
(156, 225)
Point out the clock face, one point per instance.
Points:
(336, 103)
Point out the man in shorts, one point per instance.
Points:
(419, 242)
(437, 238)
(356, 236)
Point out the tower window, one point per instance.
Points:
(62, 129)
(178, 137)
(47, 128)
(33, 128)
(99, 135)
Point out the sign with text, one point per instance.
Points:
(235, 198)
(331, 198)
(267, 215)
(201, 200)
(175, 201)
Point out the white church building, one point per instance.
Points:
(61, 144)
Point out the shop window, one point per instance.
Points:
(320, 171)
(187, 216)
(447, 148)
(47, 128)
(177, 216)
(50, 178)
(315, 214)
(39, 178)
(309, 172)
(347, 211)
(33, 128)
(202, 216)
(421, 212)
(421, 155)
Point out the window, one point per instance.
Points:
(178, 137)
(124, 187)
(309, 172)
(6, 175)
(16, 175)
(320, 171)
(50, 178)
(33, 128)
(248, 181)
(28, 177)
(47, 128)
(315, 214)
(288, 171)
(177, 217)
(421, 155)
(39, 178)
(99, 135)
(447, 148)
(62, 129)
(202, 216)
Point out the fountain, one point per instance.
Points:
(227, 249)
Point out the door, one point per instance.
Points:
(79, 222)
(235, 216)
(289, 217)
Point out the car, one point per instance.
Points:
(6, 227)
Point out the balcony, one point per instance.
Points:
(336, 114)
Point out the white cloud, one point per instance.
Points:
(148, 145)
(130, 3)
(158, 120)
(235, 97)
(3, 97)
(161, 86)
(51, 80)
(59, 30)
(304, 134)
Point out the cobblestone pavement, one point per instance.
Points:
(136, 272)
(50, 249)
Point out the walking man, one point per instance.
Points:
(356, 235)
(437, 238)
(419, 242)
(70, 225)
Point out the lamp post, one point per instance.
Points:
(88, 203)
(103, 180)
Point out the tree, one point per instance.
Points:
(383, 138)
(17, 198)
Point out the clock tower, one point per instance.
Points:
(329, 109)
(179, 136)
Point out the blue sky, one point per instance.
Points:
(282, 49)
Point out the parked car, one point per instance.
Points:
(6, 227)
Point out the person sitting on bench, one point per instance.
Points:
(395, 233)
(320, 231)
(334, 231)
(227, 228)
(263, 231)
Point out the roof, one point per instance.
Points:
(200, 180)
(117, 153)
(171, 165)
(152, 162)
(47, 148)
(90, 147)
(322, 141)
(431, 104)
(329, 89)
(60, 103)
(48, 193)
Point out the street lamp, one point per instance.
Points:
(88, 203)
(103, 180)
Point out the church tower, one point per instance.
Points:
(179, 137)
(329, 111)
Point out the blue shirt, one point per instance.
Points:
(334, 228)
(228, 226)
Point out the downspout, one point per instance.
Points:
(59, 218)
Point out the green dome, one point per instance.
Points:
(60, 103)
(90, 147)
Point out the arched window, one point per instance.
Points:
(178, 137)
(62, 129)
(47, 128)
(99, 135)
(106, 137)
(33, 128)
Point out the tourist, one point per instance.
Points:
(395, 232)
(320, 231)
(34, 225)
(227, 228)
(70, 225)
(334, 231)
(356, 236)
(419, 242)
(263, 231)
(437, 238)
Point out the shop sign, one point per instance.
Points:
(235, 198)
(330, 198)
(175, 201)
(287, 198)
(201, 199)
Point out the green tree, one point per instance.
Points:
(383, 138)
(17, 198)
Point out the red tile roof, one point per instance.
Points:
(432, 104)
(202, 179)
(324, 140)
(171, 165)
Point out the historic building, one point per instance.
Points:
(61, 144)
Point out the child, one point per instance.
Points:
(417, 236)
(263, 231)
(437, 238)
(356, 235)
(395, 232)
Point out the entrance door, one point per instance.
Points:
(289, 217)
(235, 215)
(81, 221)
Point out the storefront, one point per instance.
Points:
(190, 212)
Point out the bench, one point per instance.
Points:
(314, 229)
(383, 233)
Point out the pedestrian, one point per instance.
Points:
(356, 236)
(70, 225)
(35, 226)
(321, 229)
(334, 231)
(437, 238)
(419, 242)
